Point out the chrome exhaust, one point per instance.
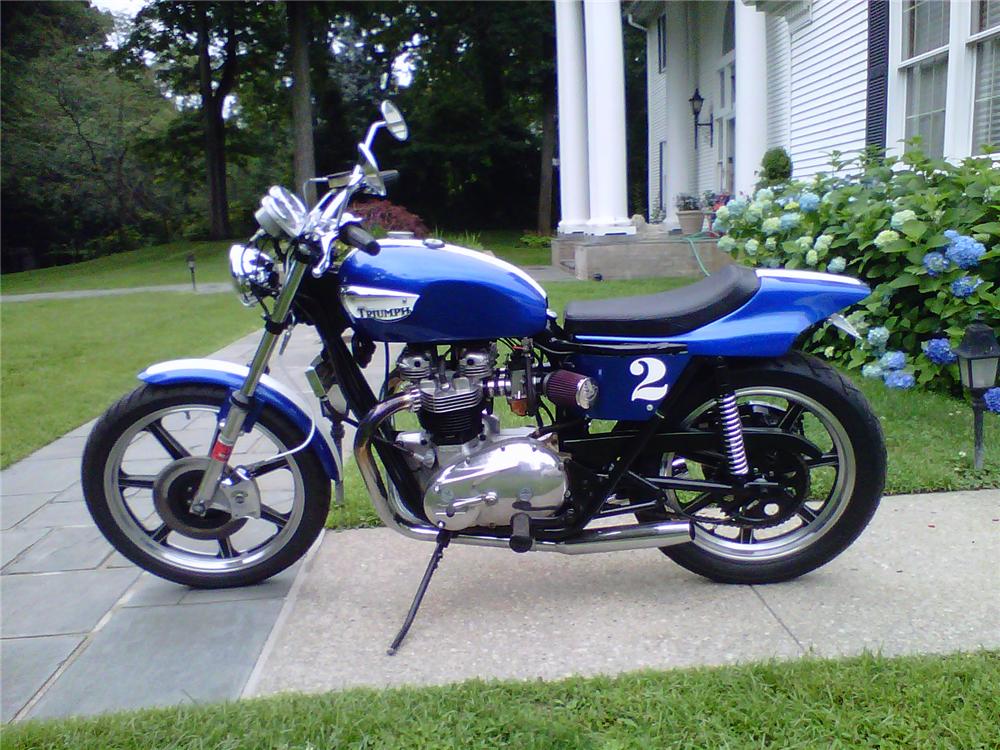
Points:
(398, 517)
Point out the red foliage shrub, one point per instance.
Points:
(389, 217)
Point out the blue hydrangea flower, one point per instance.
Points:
(751, 247)
(872, 370)
(837, 265)
(893, 361)
(790, 221)
(965, 252)
(899, 380)
(992, 398)
(939, 351)
(965, 286)
(727, 244)
(771, 225)
(737, 206)
(782, 201)
(936, 263)
(764, 194)
(951, 234)
(878, 337)
(809, 202)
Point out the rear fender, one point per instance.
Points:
(270, 392)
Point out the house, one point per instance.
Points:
(811, 76)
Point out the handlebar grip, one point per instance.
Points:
(389, 176)
(359, 237)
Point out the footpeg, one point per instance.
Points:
(520, 533)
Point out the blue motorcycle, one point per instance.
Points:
(688, 412)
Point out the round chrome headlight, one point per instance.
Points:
(252, 272)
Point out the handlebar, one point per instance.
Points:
(357, 236)
(389, 176)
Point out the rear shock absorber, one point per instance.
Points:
(730, 426)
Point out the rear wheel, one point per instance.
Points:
(144, 461)
(830, 487)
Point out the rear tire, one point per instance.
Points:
(833, 402)
(180, 546)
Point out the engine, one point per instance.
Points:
(472, 471)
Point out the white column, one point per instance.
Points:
(572, 93)
(678, 172)
(751, 96)
(606, 118)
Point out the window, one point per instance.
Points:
(729, 28)
(661, 41)
(986, 96)
(925, 60)
(946, 82)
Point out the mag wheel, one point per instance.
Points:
(144, 461)
(829, 488)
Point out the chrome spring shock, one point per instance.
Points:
(732, 434)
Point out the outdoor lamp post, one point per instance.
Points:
(190, 262)
(978, 360)
(696, 103)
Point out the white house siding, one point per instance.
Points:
(779, 77)
(829, 61)
(656, 99)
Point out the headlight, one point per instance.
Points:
(253, 273)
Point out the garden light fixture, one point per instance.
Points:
(190, 262)
(978, 361)
(696, 103)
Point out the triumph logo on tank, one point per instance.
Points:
(385, 305)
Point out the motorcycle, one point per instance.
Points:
(689, 411)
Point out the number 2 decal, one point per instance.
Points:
(652, 371)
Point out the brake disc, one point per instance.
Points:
(173, 492)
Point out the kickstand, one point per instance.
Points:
(442, 541)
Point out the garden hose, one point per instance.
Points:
(690, 239)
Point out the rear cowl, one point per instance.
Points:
(414, 292)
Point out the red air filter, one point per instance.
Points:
(570, 389)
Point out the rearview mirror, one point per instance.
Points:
(394, 121)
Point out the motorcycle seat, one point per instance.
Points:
(666, 313)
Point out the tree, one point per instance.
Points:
(302, 126)
(198, 51)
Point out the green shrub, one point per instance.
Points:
(775, 167)
(535, 240)
(923, 233)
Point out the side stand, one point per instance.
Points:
(442, 541)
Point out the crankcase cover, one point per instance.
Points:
(520, 475)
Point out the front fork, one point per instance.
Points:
(240, 401)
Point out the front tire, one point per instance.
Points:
(146, 455)
(830, 498)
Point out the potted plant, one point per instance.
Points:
(689, 214)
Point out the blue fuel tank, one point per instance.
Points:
(414, 291)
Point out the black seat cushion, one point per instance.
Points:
(667, 313)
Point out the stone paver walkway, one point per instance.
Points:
(84, 630)
(923, 578)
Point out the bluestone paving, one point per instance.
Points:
(154, 656)
(65, 548)
(16, 541)
(58, 603)
(73, 513)
(28, 477)
(28, 662)
(15, 508)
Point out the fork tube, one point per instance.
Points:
(230, 427)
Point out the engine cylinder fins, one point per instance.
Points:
(414, 364)
(570, 389)
(476, 363)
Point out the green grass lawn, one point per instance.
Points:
(65, 361)
(865, 702)
(150, 266)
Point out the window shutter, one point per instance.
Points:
(878, 72)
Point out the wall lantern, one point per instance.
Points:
(978, 361)
(696, 103)
(190, 262)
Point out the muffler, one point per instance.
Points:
(398, 517)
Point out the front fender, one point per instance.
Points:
(270, 392)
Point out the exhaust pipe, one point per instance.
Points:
(398, 517)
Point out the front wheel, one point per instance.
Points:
(829, 490)
(143, 463)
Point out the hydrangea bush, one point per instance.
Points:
(923, 233)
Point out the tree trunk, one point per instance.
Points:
(304, 161)
(215, 128)
(548, 151)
